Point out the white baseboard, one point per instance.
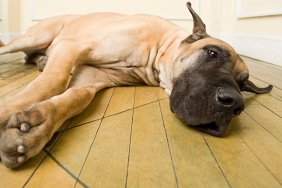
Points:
(6, 37)
(263, 48)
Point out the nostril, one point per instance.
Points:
(230, 101)
(225, 99)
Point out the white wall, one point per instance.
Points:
(9, 19)
(39, 9)
(1, 10)
(253, 27)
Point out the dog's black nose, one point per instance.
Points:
(230, 100)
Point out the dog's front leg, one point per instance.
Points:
(51, 82)
(29, 130)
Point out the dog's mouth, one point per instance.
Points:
(213, 128)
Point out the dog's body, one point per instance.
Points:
(104, 50)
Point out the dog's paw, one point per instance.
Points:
(24, 136)
(38, 59)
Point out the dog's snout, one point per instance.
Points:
(230, 100)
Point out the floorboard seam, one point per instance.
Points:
(262, 126)
(129, 149)
(226, 179)
(267, 108)
(267, 169)
(111, 115)
(42, 160)
(65, 168)
(44, 156)
(94, 138)
(6, 94)
(171, 158)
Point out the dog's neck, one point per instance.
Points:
(168, 54)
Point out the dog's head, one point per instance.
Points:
(208, 79)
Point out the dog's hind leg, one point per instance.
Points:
(27, 43)
(28, 131)
(36, 38)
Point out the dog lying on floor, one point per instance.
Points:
(202, 75)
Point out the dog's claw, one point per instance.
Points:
(21, 149)
(21, 159)
(25, 127)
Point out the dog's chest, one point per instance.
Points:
(125, 66)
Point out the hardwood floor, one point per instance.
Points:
(128, 137)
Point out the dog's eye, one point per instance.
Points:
(212, 54)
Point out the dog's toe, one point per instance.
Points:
(21, 159)
(25, 127)
(21, 148)
(13, 161)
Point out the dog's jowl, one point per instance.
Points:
(202, 75)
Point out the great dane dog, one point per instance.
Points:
(202, 75)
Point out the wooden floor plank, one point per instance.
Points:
(267, 119)
(50, 174)
(77, 141)
(262, 144)
(145, 95)
(273, 104)
(12, 67)
(240, 165)
(13, 92)
(96, 109)
(14, 57)
(106, 165)
(18, 83)
(161, 93)
(194, 163)
(19, 176)
(150, 163)
(122, 100)
(15, 74)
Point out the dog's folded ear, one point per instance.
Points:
(199, 29)
(251, 87)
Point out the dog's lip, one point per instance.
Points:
(213, 128)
